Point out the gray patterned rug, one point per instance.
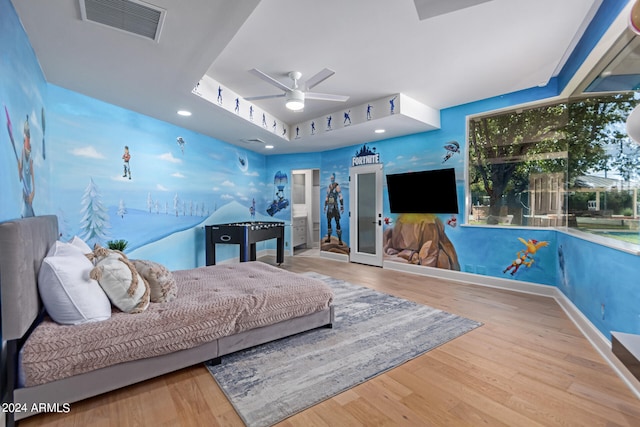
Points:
(373, 332)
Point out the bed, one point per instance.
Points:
(219, 310)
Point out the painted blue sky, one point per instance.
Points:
(89, 139)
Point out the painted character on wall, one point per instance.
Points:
(280, 202)
(452, 148)
(525, 257)
(125, 158)
(25, 166)
(333, 207)
(522, 258)
(181, 142)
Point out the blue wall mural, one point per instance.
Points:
(334, 185)
(174, 179)
(24, 164)
(180, 181)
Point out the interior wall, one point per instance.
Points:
(282, 200)
(601, 281)
(24, 131)
(175, 183)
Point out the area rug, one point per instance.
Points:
(373, 332)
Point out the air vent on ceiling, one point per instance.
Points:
(132, 16)
(253, 141)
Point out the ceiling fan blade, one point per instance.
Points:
(256, 98)
(325, 96)
(269, 79)
(318, 78)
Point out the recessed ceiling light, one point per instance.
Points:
(379, 131)
(268, 147)
(184, 113)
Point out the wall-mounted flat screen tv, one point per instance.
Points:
(430, 191)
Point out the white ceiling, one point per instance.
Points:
(377, 48)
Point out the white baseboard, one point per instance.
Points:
(334, 256)
(599, 342)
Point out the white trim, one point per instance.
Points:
(599, 342)
(334, 256)
(602, 240)
(473, 279)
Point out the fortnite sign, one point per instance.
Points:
(365, 156)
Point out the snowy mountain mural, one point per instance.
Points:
(177, 250)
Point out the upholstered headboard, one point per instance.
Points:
(23, 245)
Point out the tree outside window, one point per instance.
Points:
(567, 164)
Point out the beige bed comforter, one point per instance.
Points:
(212, 302)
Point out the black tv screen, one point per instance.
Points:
(431, 191)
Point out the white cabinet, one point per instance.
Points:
(299, 231)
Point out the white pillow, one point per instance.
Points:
(65, 249)
(80, 244)
(68, 294)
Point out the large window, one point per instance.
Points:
(569, 164)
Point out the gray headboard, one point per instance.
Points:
(23, 244)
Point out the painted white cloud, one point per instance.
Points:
(177, 175)
(228, 183)
(254, 173)
(89, 152)
(169, 158)
(227, 197)
(161, 187)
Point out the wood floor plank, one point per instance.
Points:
(528, 365)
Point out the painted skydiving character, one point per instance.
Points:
(279, 180)
(333, 207)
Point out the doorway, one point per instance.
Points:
(366, 214)
(305, 212)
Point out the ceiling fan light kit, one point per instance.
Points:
(296, 94)
(295, 100)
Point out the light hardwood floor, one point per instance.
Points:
(528, 365)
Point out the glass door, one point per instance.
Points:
(366, 214)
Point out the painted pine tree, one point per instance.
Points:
(95, 217)
(122, 209)
(176, 203)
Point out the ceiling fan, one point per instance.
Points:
(297, 93)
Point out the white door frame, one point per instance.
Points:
(365, 257)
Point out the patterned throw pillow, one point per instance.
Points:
(124, 286)
(161, 282)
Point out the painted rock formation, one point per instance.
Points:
(420, 239)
